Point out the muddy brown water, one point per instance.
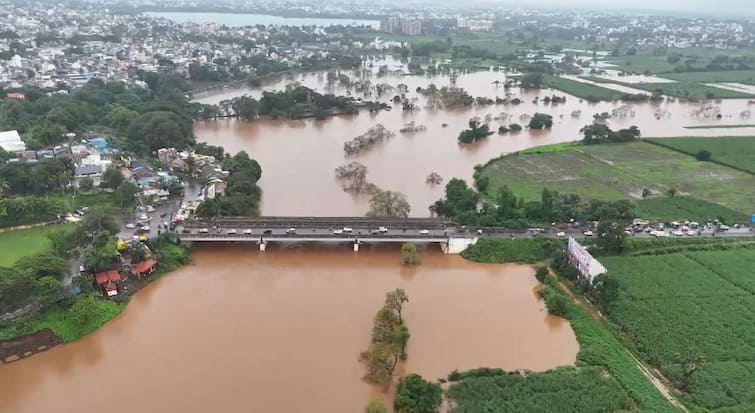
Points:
(280, 331)
(298, 157)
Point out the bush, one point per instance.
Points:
(417, 395)
(515, 127)
(409, 254)
(556, 303)
(541, 273)
(703, 156)
(494, 250)
(375, 407)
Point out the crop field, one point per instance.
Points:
(621, 171)
(581, 90)
(672, 209)
(735, 151)
(682, 308)
(560, 390)
(690, 90)
(740, 76)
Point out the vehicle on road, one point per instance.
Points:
(247, 232)
(143, 217)
(347, 229)
(424, 232)
(231, 231)
(561, 234)
(291, 231)
(130, 226)
(588, 233)
(204, 231)
(382, 230)
(267, 231)
(337, 232)
(144, 228)
(150, 208)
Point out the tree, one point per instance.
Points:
(646, 192)
(389, 204)
(531, 81)
(375, 407)
(160, 129)
(417, 395)
(611, 236)
(395, 300)
(605, 290)
(125, 194)
(703, 156)
(671, 192)
(111, 178)
(409, 254)
(86, 184)
(515, 127)
(690, 365)
(541, 121)
(43, 265)
(83, 309)
(381, 360)
(541, 273)
(120, 117)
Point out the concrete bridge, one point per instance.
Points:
(353, 230)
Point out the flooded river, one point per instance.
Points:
(281, 331)
(298, 157)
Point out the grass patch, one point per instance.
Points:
(553, 148)
(735, 151)
(697, 303)
(23, 242)
(689, 90)
(497, 250)
(62, 323)
(641, 64)
(682, 207)
(621, 171)
(581, 90)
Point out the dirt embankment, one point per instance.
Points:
(18, 348)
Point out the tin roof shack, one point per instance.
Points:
(108, 282)
(144, 269)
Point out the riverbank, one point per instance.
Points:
(77, 316)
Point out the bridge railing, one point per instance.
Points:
(345, 237)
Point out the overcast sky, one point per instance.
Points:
(725, 7)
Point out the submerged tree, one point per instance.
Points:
(389, 338)
(409, 254)
(389, 204)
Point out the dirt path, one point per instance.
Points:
(659, 384)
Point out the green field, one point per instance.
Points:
(689, 90)
(735, 151)
(621, 171)
(746, 125)
(739, 76)
(559, 390)
(672, 209)
(22, 242)
(686, 306)
(581, 90)
(641, 64)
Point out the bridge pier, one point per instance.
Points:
(356, 246)
(263, 245)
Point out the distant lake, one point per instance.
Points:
(236, 20)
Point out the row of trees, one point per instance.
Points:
(598, 133)
(34, 179)
(463, 205)
(389, 338)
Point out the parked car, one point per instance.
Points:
(130, 226)
(150, 208)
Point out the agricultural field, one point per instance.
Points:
(739, 76)
(690, 90)
(745, 125)
(671, 209)
(559, 390)
(735, 151)
(622, 171)
(642, 63)
(581, 90)
(692, 311)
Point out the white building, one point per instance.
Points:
(11, 142)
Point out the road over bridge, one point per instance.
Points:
(355, 230)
